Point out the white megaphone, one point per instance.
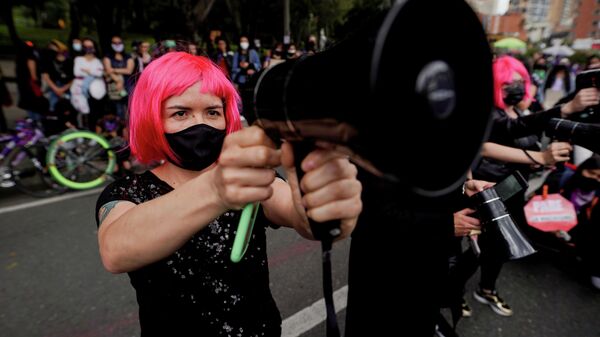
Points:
(491, 7)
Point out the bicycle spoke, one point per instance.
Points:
(82, 160)
(98, 151)
(92, 166)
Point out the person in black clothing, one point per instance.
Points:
(31, 98)
(57, 75)
(118, 67)
(512, 145)
(223, 57)
(172, 228)
(398, 265)
(5, 101)
(581, 186)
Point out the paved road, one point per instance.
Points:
(52, 283)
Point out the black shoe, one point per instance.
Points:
(466, 309)
(494, 301)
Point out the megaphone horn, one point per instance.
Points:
(415, 108)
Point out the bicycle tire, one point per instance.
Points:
(29, 173)
(81, 160)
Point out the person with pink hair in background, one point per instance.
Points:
(512, 146)
(171, 228)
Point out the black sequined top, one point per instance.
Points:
(197, 290)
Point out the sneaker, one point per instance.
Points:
(494, 301)
(466, 309)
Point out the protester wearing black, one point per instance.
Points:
(398, 261)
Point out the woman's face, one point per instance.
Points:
(222, 45)
(516, 79)
(191, 108)
(144, 47)
(88, 44)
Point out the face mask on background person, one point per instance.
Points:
(587, 184)
(117, 47)
(89, 50)
(197, 147)
(244, 45)
(77, 46)
(515, 93)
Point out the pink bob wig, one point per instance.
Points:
(170, 75)
(504, 68)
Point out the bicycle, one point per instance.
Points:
(22, 161)
(82, 160)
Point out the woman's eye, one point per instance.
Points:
(179, 114)
(214, 113)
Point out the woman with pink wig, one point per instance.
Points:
(511, 146)
(172, 228)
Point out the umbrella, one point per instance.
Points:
(510, 43)
(558, 50)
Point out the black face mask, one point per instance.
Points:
(197, 147)
(514, 94)
(587, 184)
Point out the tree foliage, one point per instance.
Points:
(193, 19)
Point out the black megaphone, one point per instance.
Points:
(406, 105)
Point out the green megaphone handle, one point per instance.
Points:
(244, 231)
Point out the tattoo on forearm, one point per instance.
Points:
(105, 209)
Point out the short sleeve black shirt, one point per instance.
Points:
(198, 291)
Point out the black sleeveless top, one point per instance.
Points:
(197, 290)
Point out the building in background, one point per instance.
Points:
(575, 21)
(511, 23)
(588, 20)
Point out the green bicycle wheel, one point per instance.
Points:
(81, 160)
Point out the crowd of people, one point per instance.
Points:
(66, 86)
(178, 105)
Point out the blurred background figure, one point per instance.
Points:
(275, 56)
(141, 56)
(581, 244)
(292, 52)
(311, 45)
(559, 83)
(31, 98)
(193, 48)
(118, 67)
(5, 101)
(246, 62)
(57, 73)
(76, 48)
(57, 78)
(223, 56)
(87, 69)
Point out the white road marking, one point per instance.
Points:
(50, 200)
(311, 316)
